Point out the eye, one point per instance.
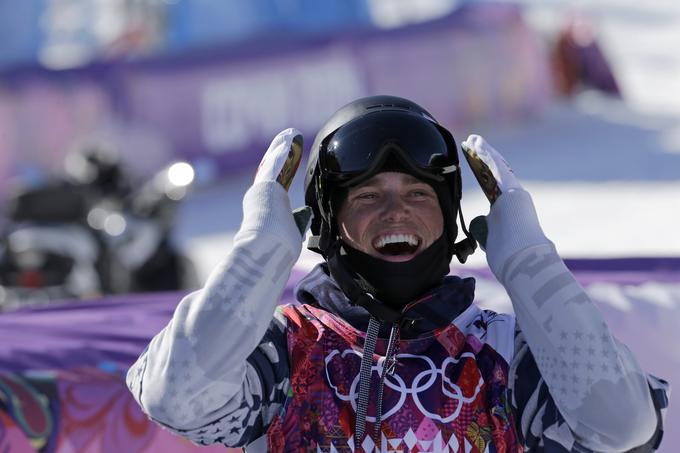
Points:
(367, 196)
(421, 193)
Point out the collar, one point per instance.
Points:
(436, 309)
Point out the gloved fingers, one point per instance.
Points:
(490, 168)
(282, 158)
(479, 230)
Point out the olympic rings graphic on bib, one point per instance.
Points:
(421, 383)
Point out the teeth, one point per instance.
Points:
(397, 238)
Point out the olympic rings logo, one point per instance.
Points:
(418, 385)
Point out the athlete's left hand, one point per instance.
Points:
(494, 175)
(490, 168)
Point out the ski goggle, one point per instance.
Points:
(363, 145)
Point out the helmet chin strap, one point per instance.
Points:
(463, 249)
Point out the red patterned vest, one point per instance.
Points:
(447, 393)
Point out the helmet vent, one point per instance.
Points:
(383, 105)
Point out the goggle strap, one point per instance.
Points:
(450, 169)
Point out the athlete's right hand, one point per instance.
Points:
(282, 159)
(280, 163)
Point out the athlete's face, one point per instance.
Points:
(392, 216)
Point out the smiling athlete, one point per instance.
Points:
(385, 351)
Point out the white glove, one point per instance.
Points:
(282, 158)
(512, 223)
(492, 171)
(280, 163)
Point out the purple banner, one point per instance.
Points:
(221, 109)
(480, 62)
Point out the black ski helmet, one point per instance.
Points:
(364, 136)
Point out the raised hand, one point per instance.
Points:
(282, 159)
(492, 171)
(494, 176)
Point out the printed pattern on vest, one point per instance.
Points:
(447, 393)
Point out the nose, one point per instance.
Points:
(394, 209)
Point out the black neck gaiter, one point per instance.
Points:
(397, 284)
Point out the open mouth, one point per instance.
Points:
(396, 244)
